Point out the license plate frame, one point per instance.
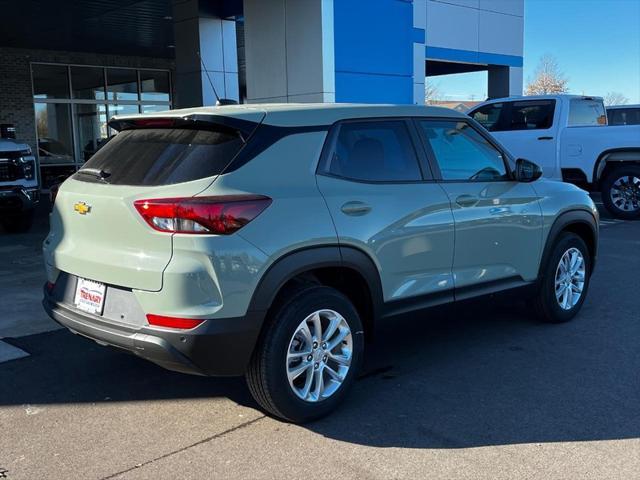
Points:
(89, 296)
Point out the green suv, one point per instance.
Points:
(270, 240)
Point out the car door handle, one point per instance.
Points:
(355, 209)
(545, 138)
(467, 200)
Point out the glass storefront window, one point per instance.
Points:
(91, 128)
(150, 108)
(50, 81)
(53, 125)
(87, 83)
(154, 86)
(122, 84)
(73, 104)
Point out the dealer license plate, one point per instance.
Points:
(90, 296)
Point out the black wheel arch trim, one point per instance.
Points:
(596, 166)
(564, 220)
(303, 260)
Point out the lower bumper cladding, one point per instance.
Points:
(217, 347)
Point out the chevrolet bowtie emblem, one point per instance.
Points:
(82, 208)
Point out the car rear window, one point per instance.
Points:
(161, 156)
(586, 112)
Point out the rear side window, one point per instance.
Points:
(489, 116)
(531, 115)
(624, 116)
(374, 151)
(162, 156)
(462, 153)
(584, 111)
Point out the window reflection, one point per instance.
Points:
(122, 84)
(53, 125)
(154, 85)
(87, 83)
(91, 128)
(50, 81)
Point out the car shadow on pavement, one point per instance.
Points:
(487, 375)
(473, 376)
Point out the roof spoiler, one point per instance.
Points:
(243, 128)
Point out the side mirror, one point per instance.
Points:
(527, 171)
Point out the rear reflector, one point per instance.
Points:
(172, 322)
(202, 215)
(50, 286)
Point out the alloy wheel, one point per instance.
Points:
(570, 278)
(319, 355)
(625, 193)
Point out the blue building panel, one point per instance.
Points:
(373, 88)
(374, 50)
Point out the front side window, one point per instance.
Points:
(462, 153)
(585, 111)
(375, 151)
(489, 116)
(531, 115)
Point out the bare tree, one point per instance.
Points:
(431, 92)
(615, 98)
(548, 78)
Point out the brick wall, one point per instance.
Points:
(16, 103)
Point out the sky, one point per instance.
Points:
(595, 42)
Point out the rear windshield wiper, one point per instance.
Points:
(95, 172)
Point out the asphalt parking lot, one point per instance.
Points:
(479, 391)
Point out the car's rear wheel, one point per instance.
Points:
(621, 192)
(565, 280)
(309, 355)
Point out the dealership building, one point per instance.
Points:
(66, 67)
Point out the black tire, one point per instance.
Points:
(608, 182)
(19, 223)
(266, 375)
(545, 304)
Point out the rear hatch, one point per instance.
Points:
(97, 233)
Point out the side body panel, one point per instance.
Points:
(499, 237)
(408, 232)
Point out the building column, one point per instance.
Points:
(289, 50)
(419, 46)
(206, 55)
(504, 81)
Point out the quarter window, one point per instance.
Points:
(462, 153)
(375, 151)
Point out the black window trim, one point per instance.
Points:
(424, 166)
(482, 132)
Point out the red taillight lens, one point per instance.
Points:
(202, 215)
(50, 286)
(173, 322)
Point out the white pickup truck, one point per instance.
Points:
(568, 136)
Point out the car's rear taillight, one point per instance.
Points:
(202, 215)
(173, 322)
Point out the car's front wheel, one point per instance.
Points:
(309, 355)
(621, 192)
(565, 280)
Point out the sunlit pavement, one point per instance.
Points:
(480, 391)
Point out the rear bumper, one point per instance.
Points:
(220, 347)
